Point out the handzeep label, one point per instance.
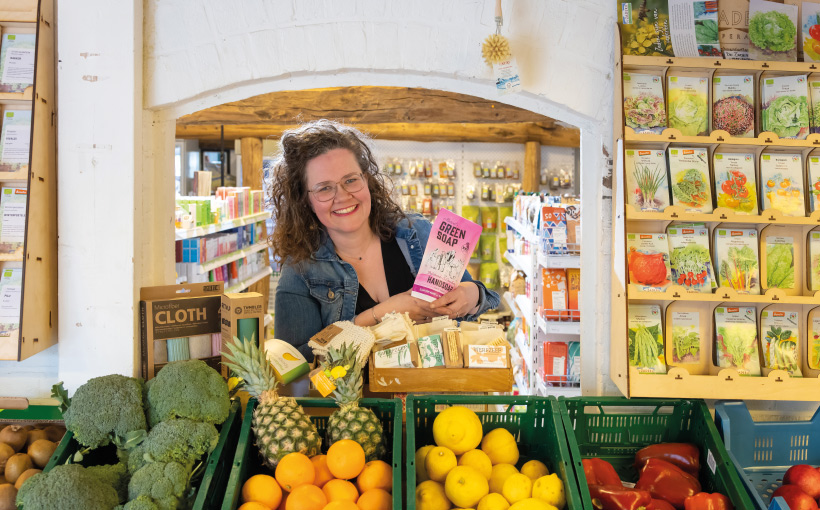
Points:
(451, 243)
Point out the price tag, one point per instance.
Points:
(710, 461)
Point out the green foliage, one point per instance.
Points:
(187, 389)
(164, 482)
(786, 115)
(67, 487)
(181, 441)
(59, 392)
(706, 31)
(106, 409)
(772, 30)
(780, 266)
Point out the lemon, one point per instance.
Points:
(535, 469)
(457, 428)
(421, 471)
(500, 446)
(493, 501)
(465, 486)
(438, 462)
(430, 496)
(531, 504)
(478, 460)
(517, 487)
(499, 475)
(550, 489)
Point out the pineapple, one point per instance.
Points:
(351, 421)
(280, 424)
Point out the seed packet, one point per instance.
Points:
(784, 108)
(736, 257)
(689, 179)
(780, 334)
(646, 182)
(735, 182)
(689, 258)
(814, 182)
(644, 27)
(733, 103)
(781, 183)
(646, 339)
(688, 332)
(780, 269)
(814, 105)
(813, 337)
(644, 107)
(814, 261)
(648, 261)
(809, 37)
(736, 339)
(688, 104)
(772, 31)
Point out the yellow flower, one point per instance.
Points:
(338, 372)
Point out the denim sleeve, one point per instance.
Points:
(296, 316)
(487, 299)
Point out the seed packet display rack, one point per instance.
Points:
(717, 383)
(38, 259)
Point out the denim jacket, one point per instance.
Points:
(319, 291)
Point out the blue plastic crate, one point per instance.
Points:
(763, 451)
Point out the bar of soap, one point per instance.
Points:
(430, 352)
(400, 354)
(485, 356)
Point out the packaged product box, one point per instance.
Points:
(644, 107)
(430, 352)
(813, 339)
(400, 354)
(573, 287)
(813, 261)
(773, 30)
(646, 182)
(574, 357)
(176, 312)
(554, 230)
(452, 344)
(689, 258)
(813, 179)
(573, 217)
(688, 327)
(646, 339)
(555, 361)
(648, 261)
(781, 183)
(780, 266)
(736, 339)
(554, 289)
(780, 339)
(737, 261)
(485, 356)
(13, 219)
(735, 182)
(733, 104)
(814, 105)
(784, 108)
(689, 179)
(243, 317)
(287, 362)
(688, 103)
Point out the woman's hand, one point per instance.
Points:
(458, 302)
(418, 309)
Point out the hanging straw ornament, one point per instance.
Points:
(496, 48)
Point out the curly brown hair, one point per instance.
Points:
(298, 232)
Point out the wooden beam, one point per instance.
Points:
(251, 149)
(532, 166)
(519, 132)
(363, 105)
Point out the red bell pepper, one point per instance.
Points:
(600, 472)
(706, 501)
(684, 455)
(659, 504)
(617, 497)
(667, 481)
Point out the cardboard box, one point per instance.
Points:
(243, 317)
(452, 345)
(400, 354)
(485, 356)
(177, 311)
(574, 286)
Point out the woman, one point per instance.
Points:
(348, 251)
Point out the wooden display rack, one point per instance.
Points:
(440, 379)
(38, 310)
(717, 383)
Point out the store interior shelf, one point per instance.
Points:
(525, 305)
(559, 327)
(678, 293)
(717, 63)
(765, 138)
(526, 232)
(219, 227)
(524, 348)
(559, 261)
(244, 284)
(542, 390)
(720, 215)
(518, 377)
(520, 262)
(230, 257)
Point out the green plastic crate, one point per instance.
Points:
(217, 468)
(538, 431)
(247, 462)
(615, 428)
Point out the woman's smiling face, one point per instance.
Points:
(347, 212)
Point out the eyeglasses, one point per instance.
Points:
(326, 191)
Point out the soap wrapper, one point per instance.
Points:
(430, 351)
(449, 248)
(485, 356)
(288, 363)
(452, 345)
(401, 354)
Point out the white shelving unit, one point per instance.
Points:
(181, 234)
(244, 284)
(559, 327)
(559, 261)
(230, 257)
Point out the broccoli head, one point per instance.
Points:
(104, 409)
(67, 487)
(164, 482)
(136, 458)
(180, 441)
(141, 503)
(187, 389)
(115, 475)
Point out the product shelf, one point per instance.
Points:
(525, 349)
(520, 262)
(716, 63)
(551, 261)
(525, 232)
(518, 377)
(17, 97)
(720, 215)
(244, 284)
(678, 293)
(524, 304)
(230, 257)
(542, 390)
(765, 138)
(559, 327)
(438, 380)
(219, 227)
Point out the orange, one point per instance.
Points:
(341, 505)
(340, 490)
(293, 470)
(377, 474)
(306, 497)
(375, 499)
(323, 474)
(345, 459)
(253, 505)
(262, 489)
